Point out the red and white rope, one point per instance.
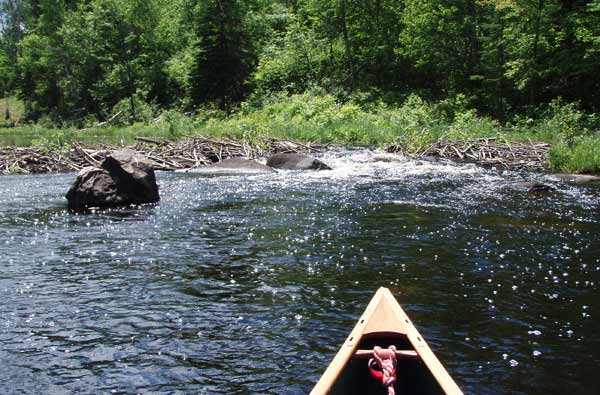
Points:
(385, 360)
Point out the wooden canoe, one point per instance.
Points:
(384, 323)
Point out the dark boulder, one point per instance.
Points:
(93, 187)
(537, 187)
(125, 177)
(296, 162)
(231, 167)
(134, 176)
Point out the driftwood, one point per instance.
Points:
(164, 154)
(490, 152)
(36, 160)
(101, 124)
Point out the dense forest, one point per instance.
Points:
(69, 59)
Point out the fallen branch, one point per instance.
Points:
(101, 124)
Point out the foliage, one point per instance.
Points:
(360, 72)
(582, 156)
(294, 61)
(133, 109)
(565, 118)
(67, 59)
(12, 107)
(53, 140)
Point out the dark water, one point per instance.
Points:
(249, 285)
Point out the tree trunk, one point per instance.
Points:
(224, 47)
(347, 48)
(7, 113)
(133, 115)
(533, 90)
(501, 81)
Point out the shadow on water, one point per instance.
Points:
(233, 205)
(249, 285)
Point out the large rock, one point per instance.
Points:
(93, 187)
(296, 162)
(231, 167)
(125, 177)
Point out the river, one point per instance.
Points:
(248, 285)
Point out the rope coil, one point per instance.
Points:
(383, 366)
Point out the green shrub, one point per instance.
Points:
(295, 61)
(453, 105)
(468, 124)
(559, 157)
(133, 109)
(176, 124)
(582, 156)
(559, 122)
(52, 140)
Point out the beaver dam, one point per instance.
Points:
(490, 152)
(198, 151)
(164, 154)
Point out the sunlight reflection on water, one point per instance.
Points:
(249, 284)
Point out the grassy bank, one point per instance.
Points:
(416, 124)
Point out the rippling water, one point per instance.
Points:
(248, 285)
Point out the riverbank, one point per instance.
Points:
(568, 138)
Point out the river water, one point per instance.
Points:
(248, 285)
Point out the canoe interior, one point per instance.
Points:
(413, 375)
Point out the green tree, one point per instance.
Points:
(440, 38)
(12, 14)
(225, 54)
(6, 80)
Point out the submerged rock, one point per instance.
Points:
(532, 187)
(388, 158)
(576, 178)
(231, 167)
(125, 177)
(296, 162)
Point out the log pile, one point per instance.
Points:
(36, 160)
(164, 154)
(491, 152)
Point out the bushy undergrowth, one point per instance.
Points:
(323, 118)
(582, 156)
(11, 110)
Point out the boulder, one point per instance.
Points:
(231, 167)
(125, 177)
(296, 162)
(93, 187)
